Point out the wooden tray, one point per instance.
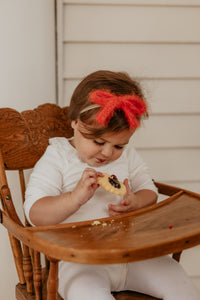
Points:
(167, 227)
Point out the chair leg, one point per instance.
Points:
(18, 257)
(52, 283)
(37, 276)
(28, 272)
(177, 256)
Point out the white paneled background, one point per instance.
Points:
(158, 43)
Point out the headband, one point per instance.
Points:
(132, 105)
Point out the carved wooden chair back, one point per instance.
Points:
(23, 139)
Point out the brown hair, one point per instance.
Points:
(118, 83)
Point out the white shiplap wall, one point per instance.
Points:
(158, 42)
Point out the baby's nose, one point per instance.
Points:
(107, 151)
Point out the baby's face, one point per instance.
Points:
(102, 150)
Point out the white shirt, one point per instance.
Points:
(60, 168)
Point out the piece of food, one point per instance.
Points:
(111, 184)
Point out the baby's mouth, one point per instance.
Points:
(100, 160)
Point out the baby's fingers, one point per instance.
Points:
(128, 190)
(117, 209)
(126, 199)
(88, 172)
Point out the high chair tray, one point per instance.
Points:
(166, 227)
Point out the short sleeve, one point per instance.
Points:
(139, 175)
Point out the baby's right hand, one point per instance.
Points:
(86, 186)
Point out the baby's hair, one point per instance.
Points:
(118, 83)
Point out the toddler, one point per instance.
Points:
(105, 110)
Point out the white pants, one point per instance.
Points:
(160, 277)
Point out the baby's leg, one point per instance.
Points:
(161, 277)
(85, 282)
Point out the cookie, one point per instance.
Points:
(111, 184)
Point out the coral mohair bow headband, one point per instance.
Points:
(132, 106)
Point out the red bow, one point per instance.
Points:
(132, 105)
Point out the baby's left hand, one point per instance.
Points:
(128, 203)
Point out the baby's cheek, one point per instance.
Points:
(117, 155)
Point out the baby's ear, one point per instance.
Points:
(74, 124)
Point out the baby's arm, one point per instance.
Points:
(55, 209)
(133, 201)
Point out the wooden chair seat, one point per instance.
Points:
(21, 294)
(164, 228)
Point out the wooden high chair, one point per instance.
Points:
(167, 227)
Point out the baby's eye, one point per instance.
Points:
(99, 143)
(119, 147)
